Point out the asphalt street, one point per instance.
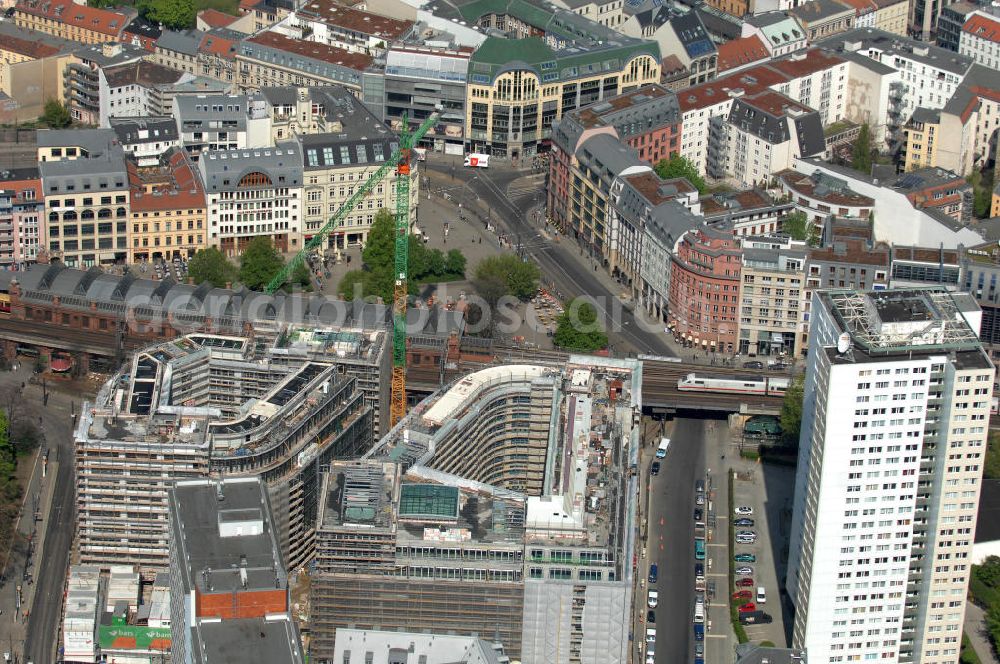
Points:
(43, 624)
(670, 539)
(44, 597)
(560, 262)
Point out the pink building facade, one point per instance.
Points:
(704, 289)
(21, 208)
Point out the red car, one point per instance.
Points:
(745, 583)
(742, 594)
(749, 606)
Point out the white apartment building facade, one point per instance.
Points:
(980, 39)
(896, 409)
(251, 193)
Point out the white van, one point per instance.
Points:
(661, 451)
(699, 611)
(650, 635)
(761, 595)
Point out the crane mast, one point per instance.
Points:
(400, 163)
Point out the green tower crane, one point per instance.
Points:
(400, 162)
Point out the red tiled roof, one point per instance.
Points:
(861, 7)
(314, 50)
(808, 62)
(216, 19)
(32, 49)
(742, 51)
(984, 27)
(176, 185)
(220, 46)
(672, 64)
(754, 79)
(367, 23)
(69, 13)
(773, 103)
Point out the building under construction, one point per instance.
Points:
(427, 533)
(222, 406)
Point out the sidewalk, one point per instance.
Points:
(975, 629)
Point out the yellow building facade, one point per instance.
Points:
(921, 135)
(512, 115)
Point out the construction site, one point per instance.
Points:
(405, 543)
(223, 406)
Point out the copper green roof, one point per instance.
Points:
(497, 55)
(527, 12)
(574, 46)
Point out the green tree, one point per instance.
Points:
(520, 278)
(991, 467)
(455, 263)
(259, 263)
(791, 411)
(173, 14)
(796, 225)
(352, 283)
(300, 276)
(861, 154)
(380, 247)
(577, 328)
(55, 115)
(211, 265)
(982, 193)
(681, 167)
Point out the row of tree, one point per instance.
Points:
(172, 14)
(377, 276)
(260, 262)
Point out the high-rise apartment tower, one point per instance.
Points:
(895, 417)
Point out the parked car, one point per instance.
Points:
(753, 364)
(745, 558)
(745, 583)
(745, 539)
(652, 573)
(650, 635)
(741, 595)
(746, 570)
(699, 569)
(699, 515)
(699, 632)
(746, 608)
(743, 510)
(699, 648)
(651, 616)
(746, 533)
(755, 618)
(743, 523)
(655, 468)
(700, 499)
(653, 598)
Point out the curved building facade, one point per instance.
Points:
(493, 427)
(213, 406)
(704, 289)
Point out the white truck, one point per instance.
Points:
(661, 450)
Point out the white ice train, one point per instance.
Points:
(723, 384)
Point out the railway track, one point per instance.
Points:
(659, 388)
